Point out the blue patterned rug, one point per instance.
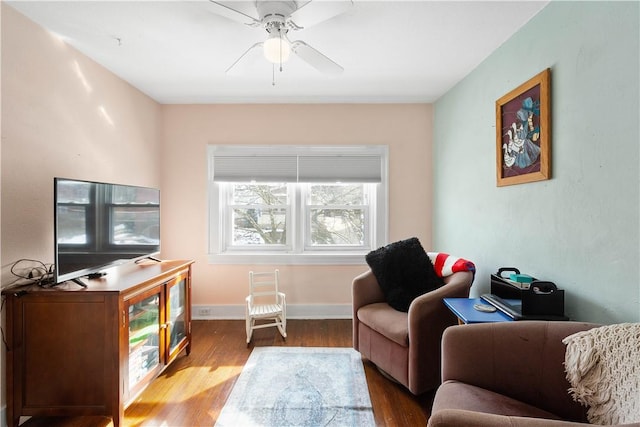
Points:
(299, 386)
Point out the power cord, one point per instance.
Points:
(40, 274)
(26, 273)
(4, 339)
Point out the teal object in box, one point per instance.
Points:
(521, 278)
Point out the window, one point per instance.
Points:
(296, 205)
(337, 215)
(258, 215)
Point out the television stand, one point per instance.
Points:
(152, 258)
(79, 282)
(73, 352)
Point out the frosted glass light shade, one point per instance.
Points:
(276, 50)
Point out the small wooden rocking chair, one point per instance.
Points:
(265, 302)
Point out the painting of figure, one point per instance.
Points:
(522, 131)
(521, 136)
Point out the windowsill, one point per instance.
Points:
(333, 258)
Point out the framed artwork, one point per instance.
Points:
(523, 132)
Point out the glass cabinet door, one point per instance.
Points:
(177, 315)
(144, 337)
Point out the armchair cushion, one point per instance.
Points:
(393, 324)
(454, 394)
(404, 271)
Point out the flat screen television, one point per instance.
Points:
(98, 225)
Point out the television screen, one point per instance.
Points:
(98, 225)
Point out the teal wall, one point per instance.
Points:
(579, 229)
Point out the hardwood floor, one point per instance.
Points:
(192, 391)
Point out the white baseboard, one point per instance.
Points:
(294, 311)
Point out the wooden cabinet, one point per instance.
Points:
(91, 351)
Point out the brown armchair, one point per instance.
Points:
(507, 374)
(406, 346)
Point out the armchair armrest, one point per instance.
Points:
(428, 317)
(522, 360)
(456, 286)
(364, 290)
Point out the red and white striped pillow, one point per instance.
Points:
(446, 265)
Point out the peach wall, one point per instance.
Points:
(62, 115)
(188, 129)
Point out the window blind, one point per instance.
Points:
(297, 168)
(339, 168)
(229, 168)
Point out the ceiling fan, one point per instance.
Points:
(279, 18)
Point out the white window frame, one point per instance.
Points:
(227, 194)
(297, 251)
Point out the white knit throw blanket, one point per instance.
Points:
(603, 368)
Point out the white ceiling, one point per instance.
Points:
(392, 51)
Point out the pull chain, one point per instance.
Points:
(273, 65)
(280, 37)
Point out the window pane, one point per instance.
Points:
(135, 226)
(337, 194)
(72, 225)
(259, 226)
(337, 226)
(135, 195)
(74, 192)
(260, 194)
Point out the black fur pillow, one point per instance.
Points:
(404, 272)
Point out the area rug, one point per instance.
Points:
(299, 386)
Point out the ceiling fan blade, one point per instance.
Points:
(315, 58)
(259, 44)
(235, 15)
(314, 12)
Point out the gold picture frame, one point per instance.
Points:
(523, 132)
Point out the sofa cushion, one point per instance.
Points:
(387, 321)
(458, 395)
(404, 271)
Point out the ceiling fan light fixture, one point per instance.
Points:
(277, 49)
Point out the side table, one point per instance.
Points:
(463, 309)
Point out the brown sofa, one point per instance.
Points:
(507, 374)
(406, 346)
